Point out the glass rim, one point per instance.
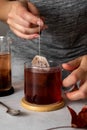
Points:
(56, 65)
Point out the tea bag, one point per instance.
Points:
(40, 61)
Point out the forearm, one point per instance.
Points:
(5, 6)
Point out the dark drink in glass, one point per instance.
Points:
(42, 85)
(5, 71)
(5, 67)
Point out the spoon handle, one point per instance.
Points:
(4, 105)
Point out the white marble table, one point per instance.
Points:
(30, 120)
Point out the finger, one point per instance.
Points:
(25, 30)
(28, 16)
(69, 80)
(35, 11)
(25, 36)
(66, 66)
(18, 20)
(75, 76)
(83, 87)
(76, 95)
(71, 65)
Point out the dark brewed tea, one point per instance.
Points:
(5, 72)
(42, 86)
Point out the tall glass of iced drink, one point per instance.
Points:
(5, 67)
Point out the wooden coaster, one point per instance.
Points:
(7, 92)
(41, 108)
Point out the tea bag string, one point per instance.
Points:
(39, 39)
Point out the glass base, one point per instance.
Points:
(42, 108)
(6, 93)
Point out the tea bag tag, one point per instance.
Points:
(40, 61)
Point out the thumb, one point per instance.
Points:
(33, 9)
(24, 3)
(31, 13)
(29, 6)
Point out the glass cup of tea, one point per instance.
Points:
(5, 67)
(42, 87)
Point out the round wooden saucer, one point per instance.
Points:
(42, 108)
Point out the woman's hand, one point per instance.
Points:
(24, 21)
(78, 68)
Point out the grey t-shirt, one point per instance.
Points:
(65, 38)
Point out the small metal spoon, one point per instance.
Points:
(11, 111)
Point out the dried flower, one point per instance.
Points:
(79, 120)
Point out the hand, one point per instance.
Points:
(78, 68)
(24, 21)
